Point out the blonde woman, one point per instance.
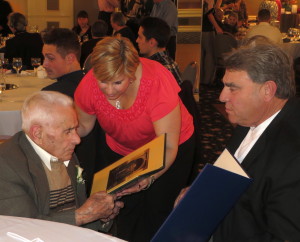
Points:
(134, 100)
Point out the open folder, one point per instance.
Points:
(211, 196)
(145, 161)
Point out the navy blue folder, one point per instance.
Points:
(211, 196)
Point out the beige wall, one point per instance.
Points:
(37, 13)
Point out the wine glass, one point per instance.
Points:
(35, 62)
(2, 89)
(5, 65)
(17, 64)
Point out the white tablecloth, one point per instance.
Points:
(48, 231)
(12, 100)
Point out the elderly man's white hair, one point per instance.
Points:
(39, 108)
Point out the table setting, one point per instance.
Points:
(291, 42)
(13, 91)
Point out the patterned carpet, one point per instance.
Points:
(215, 128)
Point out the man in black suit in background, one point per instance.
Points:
(118, 22)
(99, 30)
(62, 52)
(24, 45)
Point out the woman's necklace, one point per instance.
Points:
(118, 105)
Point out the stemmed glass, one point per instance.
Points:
(35, 62)
(2, 88)
(17, 64)
(2, 80)
(5, 65)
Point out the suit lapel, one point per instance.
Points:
(79, 189)
(38, 174)
(263, 139)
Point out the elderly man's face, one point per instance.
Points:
(244, 99)
(55, 65)
(59, 136)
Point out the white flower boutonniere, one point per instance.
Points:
(79, 177)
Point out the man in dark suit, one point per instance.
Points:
(99, 30)
(24, 45)
(118, 22)
(40, 177)
(258, 93)
(62, 52)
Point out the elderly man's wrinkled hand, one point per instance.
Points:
(100, 205)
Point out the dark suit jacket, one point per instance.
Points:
(25, 45)
(67, 83)
(24, 185)
(269, 210)
(87, 48)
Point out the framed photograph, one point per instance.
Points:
(142, 162)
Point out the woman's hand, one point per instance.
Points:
(143, 184)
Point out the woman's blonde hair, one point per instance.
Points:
(114, 57)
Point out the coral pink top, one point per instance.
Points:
(129, 129)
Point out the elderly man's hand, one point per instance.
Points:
(100, 205)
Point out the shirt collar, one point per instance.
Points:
(44, 155)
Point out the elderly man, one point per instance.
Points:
(258, 93)
(25, 45)
(40, 177)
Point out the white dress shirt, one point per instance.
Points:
(250, 139)
(44, 155)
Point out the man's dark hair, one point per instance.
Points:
(157, 29)
(82, 14)
(65, 40)
(118, 18)
(17, 21)
(264, 15)
(99, 28)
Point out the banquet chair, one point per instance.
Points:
(187, 97)
(223, 44)
(87, 64)
(191, 73)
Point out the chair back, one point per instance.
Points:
(87, 64)
(191, 73)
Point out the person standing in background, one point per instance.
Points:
(5, 10)
(167, 11)
(209, 28)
